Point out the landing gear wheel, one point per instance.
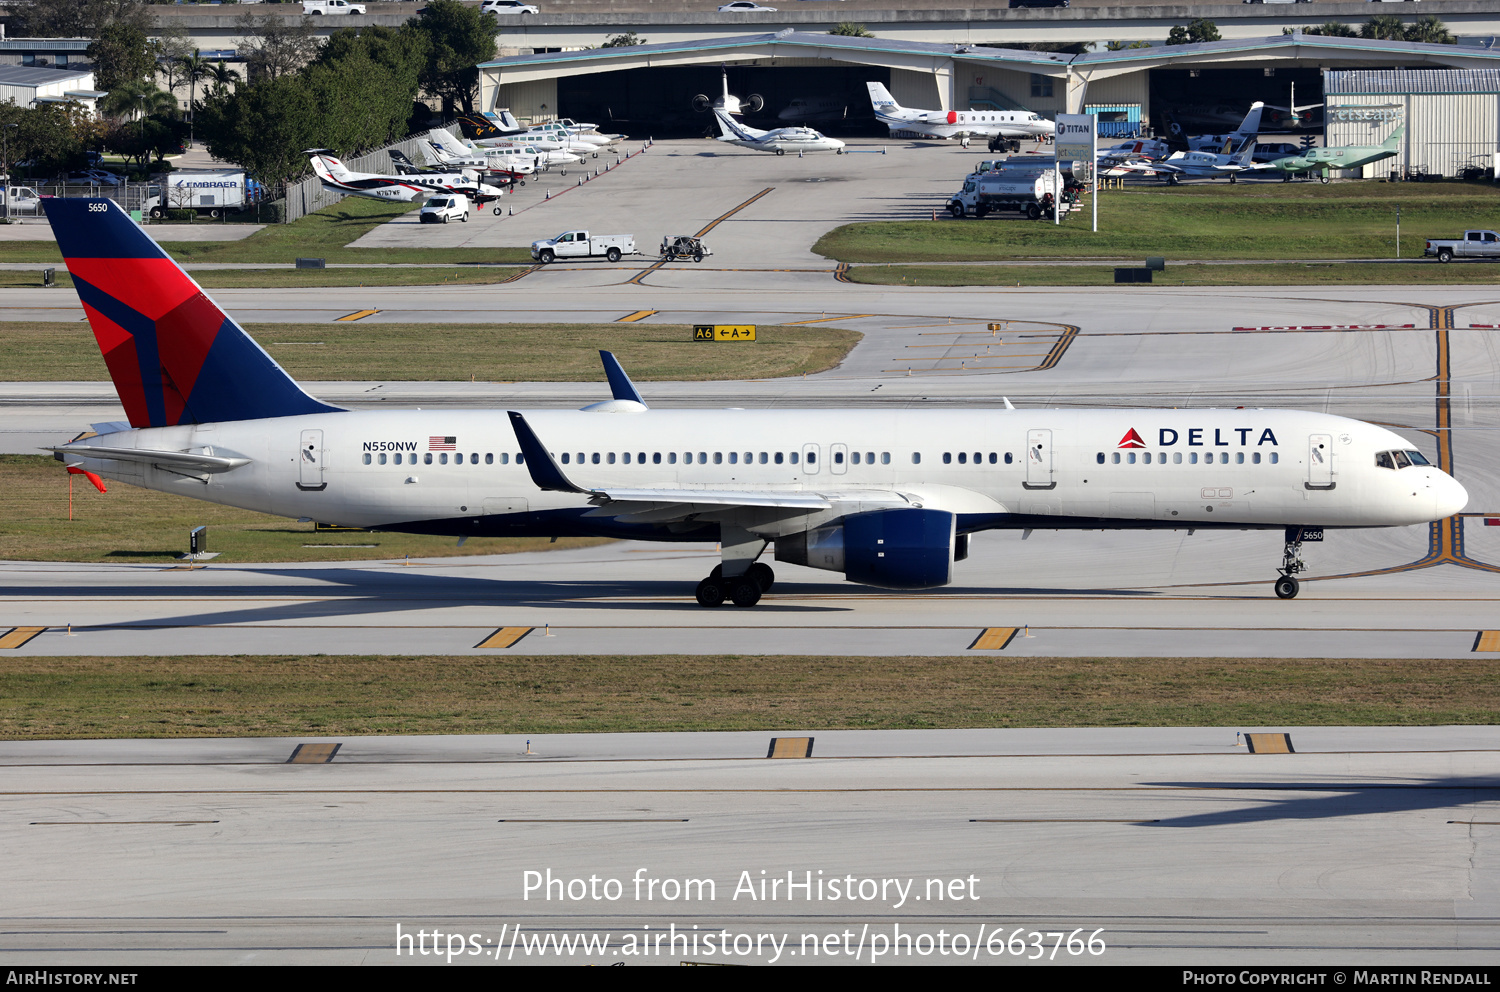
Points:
(1325, 179)
(711, 592)
(762, 574)
(781, 151)
(1286, 587)
(744, 591)
(499, 212)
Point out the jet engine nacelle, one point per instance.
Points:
(894, 549)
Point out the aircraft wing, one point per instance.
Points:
(669, 504)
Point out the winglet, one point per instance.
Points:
(544, 471)
(619, 383)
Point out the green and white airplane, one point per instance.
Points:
(1325, 160)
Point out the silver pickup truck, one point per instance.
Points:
(1474, 244)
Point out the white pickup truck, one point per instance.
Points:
(23, 200)
(578, 244)
(314, 7)
(1474, 244)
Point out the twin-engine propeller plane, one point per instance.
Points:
(888, 497)
(336, 178)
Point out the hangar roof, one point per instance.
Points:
(1323, 51)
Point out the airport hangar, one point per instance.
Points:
(655, 84)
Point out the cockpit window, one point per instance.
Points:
(1400, 459)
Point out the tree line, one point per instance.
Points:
(356, 90)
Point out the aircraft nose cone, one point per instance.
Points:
(1449, 495)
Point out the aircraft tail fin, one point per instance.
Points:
(402, 164)
(328, 168)
(444, 139)
(477, 127)
(508, 121)
(880, 96)
(1250, 126)
(1393, 143)
(174, 355)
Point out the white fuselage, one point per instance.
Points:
(993, 468)
(951, 123)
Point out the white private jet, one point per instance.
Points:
(447, 150)
(886, 496)
(780, 141)
(1199, 165)
(402, 189)
(1009, 124)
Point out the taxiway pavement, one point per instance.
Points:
(1370, 846)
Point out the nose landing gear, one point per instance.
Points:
(1287, 586)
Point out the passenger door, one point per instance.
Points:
(1320, 461)
(1039, 461)
(310, 457)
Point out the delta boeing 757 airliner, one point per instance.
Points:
(887, 497)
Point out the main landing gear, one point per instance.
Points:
(1291, 563)
(742, 590)
(740, 579)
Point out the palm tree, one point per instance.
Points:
(222, 76)
(194, 68)
(140, 98)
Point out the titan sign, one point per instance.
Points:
(1075, 143)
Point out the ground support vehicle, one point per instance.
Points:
(578, 244)
(1474, 244)
(1030, 194)
(675, 246)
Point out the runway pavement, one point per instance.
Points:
(1366, 847)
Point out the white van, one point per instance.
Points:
(442, 209)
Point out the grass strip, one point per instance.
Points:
(51, 351)
(122, 697)
(1273, 221)
(1270, 274)
(128, 524)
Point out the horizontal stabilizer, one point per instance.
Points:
(169, 459)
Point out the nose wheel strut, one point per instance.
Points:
(1287, 585)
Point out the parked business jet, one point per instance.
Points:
(955, 123)
(1198, 165)
(888, 497)
(780, 141)
(402, 189)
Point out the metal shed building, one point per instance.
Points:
(1451, 116)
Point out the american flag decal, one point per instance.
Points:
(442, 444)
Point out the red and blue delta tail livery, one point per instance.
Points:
(174, 356)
